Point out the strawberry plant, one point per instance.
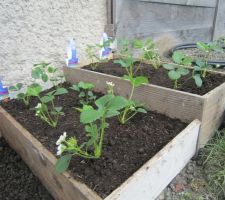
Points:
(85, 92)
(95, 122)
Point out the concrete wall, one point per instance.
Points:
(33, 31)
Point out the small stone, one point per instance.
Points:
(141, 150)
(179, 187)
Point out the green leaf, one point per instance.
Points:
(91, 115)
(13, 88)
(44, 77)
(138, 44)
(60, 91)
(187, 61)
(139, 81)
(127, 78)
(198, 80)
(117, 103)
(178, 57)
(122, 63)
(36, 73)
(46, 99)
(62, 163)
(58, 109)
(82, 94)
(169, 66)
(112, 113)
(183, 71)
(19, 86)
(75, 87)
(42, 65)
(141, 110)
(202, 46)
(34, 90)
(201, 63)
(50, 93)
(85, 86)
(51, 69)
(21, 96)
(197, 68)
(174, 75)
(90, 94)
(102, 101)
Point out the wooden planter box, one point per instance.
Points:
(145, 184)
(209, 108)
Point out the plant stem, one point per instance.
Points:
(102, 134)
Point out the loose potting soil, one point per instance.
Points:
(159, 77)
(16, 180)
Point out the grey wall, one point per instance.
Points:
(33, 31)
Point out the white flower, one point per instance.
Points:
(38, 105)
(132, 108)
(60, 149)
(37, 113)
(111, 84)
(217, 66)
(61, 139)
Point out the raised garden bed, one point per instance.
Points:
(16, 180)
(136, 160)
(206, 104)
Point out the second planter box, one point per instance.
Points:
(208, 108)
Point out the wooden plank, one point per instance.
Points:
(213, 113)
(148, 182)
(219, 28)
(176, 104)
(41, 162)
(141, 19)
(202, 3)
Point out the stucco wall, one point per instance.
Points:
(33, 31)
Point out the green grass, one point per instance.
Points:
(213, 156)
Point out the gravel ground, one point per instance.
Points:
(190, 184)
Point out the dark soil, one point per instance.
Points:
(16, 180)
(160, 77)
(126, 147)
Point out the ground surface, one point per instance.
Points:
(16, 180)
(190, 184)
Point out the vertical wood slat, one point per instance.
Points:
(110, 27)
(219, 27)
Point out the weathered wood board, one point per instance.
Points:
(173, 103)
(173, 156)
(141, 19)
(202, 3)
(219, 29)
